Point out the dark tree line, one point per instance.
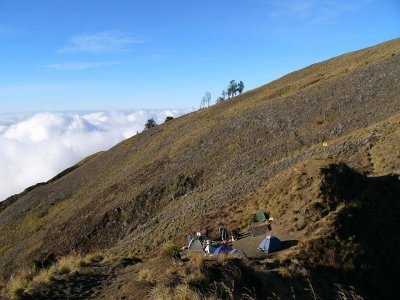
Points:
(151, 123)
(231, 91)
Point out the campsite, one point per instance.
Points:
(295, 184)
(240, 244)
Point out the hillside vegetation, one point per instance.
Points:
(260, 150)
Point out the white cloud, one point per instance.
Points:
(107, 41)
(36, 147)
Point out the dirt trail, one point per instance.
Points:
(95, 281)
(88, 283)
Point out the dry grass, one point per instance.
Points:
(44, 276)
(197, 279)
(93, 258)
(171, 250)
(265, 138)
(284, 272)
(19, 285)
(68, 264)
(147, 160)
(148, 276)
(181, 292)
(224, 258)
(347, 294)
(111, 258)
(197, 260)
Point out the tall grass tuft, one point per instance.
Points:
(146, 275)
(19, 285)
(171, 250)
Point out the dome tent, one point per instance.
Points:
(270, 244)
(223, 249)
(238, 254)
(195, 245)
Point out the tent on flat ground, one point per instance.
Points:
(238, 253)
(261, 216)
(270, 244)
(223, 249)
(195, 245)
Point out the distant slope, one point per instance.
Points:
(10, 200)
(199, 168)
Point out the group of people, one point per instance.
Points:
(209, 249)
(204, 237)
(224, 236)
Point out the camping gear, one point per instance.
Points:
(209, 248)
(260, 230)
(223, 249)
(235, 235)
(261, 216)
(195, 245)
(270, 244)
(238, 253)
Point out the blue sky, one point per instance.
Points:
(63, 55)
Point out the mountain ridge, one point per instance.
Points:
(197, 169)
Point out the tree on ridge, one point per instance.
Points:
(150, 124)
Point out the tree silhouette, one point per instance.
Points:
(224, 94)
(208, 98)
(169, 118)
(232, 88)
(240, 87)
(205, 100)
(230, 92)
(150, 124)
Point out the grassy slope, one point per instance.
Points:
(166, 181)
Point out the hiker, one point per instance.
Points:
(223, 233)
(206, 232)
(209, 248)
(235, 235)
(268, 220)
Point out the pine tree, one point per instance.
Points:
(240, 87)
(150, 124)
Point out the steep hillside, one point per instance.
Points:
(261, 150)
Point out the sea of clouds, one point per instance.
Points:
(36, 147)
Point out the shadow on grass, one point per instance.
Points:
(129, 261)
(288, 244)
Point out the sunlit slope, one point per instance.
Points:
(158, 184)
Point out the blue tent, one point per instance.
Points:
(223, 249)
(270, 244)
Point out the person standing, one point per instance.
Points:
(223, 233)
